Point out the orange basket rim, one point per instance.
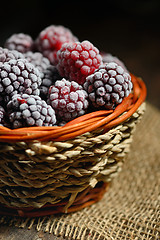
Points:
(101, 119)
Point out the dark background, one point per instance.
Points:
(127, 29)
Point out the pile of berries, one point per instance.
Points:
(55, 78)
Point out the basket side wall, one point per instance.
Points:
(33, 174)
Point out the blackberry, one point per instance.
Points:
(18, 76)
(4, 121)
(2, 115)
(61, 123)
(78, 60)
(107, 58)
(68, 99)
(38, 60)
(50, 75)
(51, 39)
(108, 86)
(20, 42)
(6, 55)
(30, 110)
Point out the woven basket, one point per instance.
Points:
(47, 170)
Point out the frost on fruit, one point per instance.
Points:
(19, 76)
(30, 110)
(57, 77)
(78, 60)
(68, 99)
(108, 85)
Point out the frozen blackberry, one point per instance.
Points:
(50, 75)
(61, 124)
(107, 86)
(20, 42)
(68, 99)
(38, 60)
(30, 110)
(107, 58)
(51, 39)
(4, 121)
(78, 60)
(18, 76)
(6, 55)
(2, 115)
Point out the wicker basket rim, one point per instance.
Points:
(105, 119)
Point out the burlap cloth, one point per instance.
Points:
(131, 207)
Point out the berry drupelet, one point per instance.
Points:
(6, 55)
(78, 60)
(68, 99)
(51, 39)
(20, 42)
(30, 110)
(18, 76)
(107, 86)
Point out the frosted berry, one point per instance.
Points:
(6, 55)
(107, 86)
(38, 60)
(2, 115)
(68, 99)
(51, 39)
(78, 60)
(18, 76)
(30, 110)
(50, 75)
(107, 58)
(4, 121)
(20, 42)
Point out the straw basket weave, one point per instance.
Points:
(46, 170)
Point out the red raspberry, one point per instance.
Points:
(51, 39)
(68, 99)
(78, 60)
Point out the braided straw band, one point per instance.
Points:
(58, 169)
(84, 199)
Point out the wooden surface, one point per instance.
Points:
(13, 233)
(132, 36)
